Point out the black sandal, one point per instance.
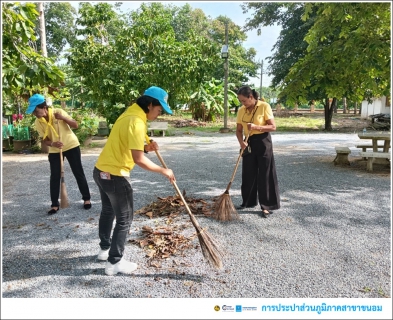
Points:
(53, 211)
(265, 214)
(87, 206)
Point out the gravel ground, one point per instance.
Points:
(330, 239)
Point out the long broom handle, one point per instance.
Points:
(61, 164)
(61, 154)
(174, 183)
(237, 164)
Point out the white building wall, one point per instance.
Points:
(378, 105)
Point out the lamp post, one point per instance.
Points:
(225, 55)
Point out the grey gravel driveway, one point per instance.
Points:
(330, 239)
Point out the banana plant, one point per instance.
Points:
(207, 103)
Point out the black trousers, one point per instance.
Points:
(117, 201)
(75, 160)
(259, 177)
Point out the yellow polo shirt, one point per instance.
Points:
(263, 113)
(66, 135)
(127, 133)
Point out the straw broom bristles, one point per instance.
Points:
(223, 207)
(210, 249)
(63, 190)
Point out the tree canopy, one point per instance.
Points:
(328, 50)
(333, 49)
(117, 56)
(59, 26)
(24, 68)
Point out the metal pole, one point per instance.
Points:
(226, 81)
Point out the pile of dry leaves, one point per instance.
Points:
(188, 123)
(173, 206)
(165, 241)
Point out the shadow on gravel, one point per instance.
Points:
(22, 266)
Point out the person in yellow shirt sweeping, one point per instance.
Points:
(53, 124)
(125, 148)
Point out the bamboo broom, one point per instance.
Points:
(210, 249)
(63, 190)
(223, 207)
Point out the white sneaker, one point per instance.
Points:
(103, 255)
(123, 266)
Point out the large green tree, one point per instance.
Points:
(187, 21)
(24, 69)
(241, 61)
(347, 52)
(348, 55)
(290, 45)
(59, 27)
(118, 58)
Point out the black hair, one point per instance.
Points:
(246, 91)
(144, 102)
(42, 105)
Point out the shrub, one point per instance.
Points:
(87, 123)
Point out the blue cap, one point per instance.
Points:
(34, 101)
(161, 96)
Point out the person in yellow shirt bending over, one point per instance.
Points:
(125, 148)
(54, 127)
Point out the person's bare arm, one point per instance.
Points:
(239, 136)
(71, 122)
(268, 127)
(145, 163)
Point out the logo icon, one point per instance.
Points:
(238, 308)
(227, 308)
(217, 308)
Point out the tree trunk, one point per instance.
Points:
(312, 107)
(278, 107)
(334, 106)
(42, 29)
(329, 107)
(355, 108)
(345, 105)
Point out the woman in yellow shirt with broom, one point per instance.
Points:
(54, 127)
(259, 179)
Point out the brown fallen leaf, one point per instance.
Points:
(147, 229)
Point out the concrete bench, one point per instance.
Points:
(372, 156)
(367, 146)
(342, 156)
(364, 147)
(158, 125)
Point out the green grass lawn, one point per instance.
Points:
(295, 123)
